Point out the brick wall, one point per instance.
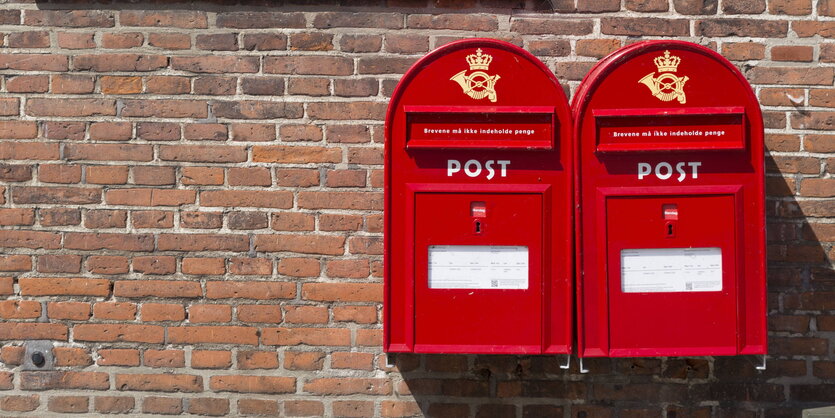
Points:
(191, 208)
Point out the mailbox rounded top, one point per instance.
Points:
(665, 74)
(479, 75)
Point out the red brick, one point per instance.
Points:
(250, 360)
(71, 356)
(753, 28)
(125, 242)
(343, 292)
(19, 403)
(305, 314)
(107, 264)
(24, 150)
(305, 244)
(71, 19)
(162, 405)
(159, 382)
(361, 43)
(208, 406)
(209, 313)
(104, 218)
(11, 217)
(157, 288)
(348, 386)
(59, 216)
(54, 286)
(30, 239)
(245, 198)
(264, 41)
(76, 311)
(122, 311)
(69, 40)
(304, 360)
(203, 153)
(293, 221)
(743, 6)
(164, 358)
(15, 173)
(32, 331)
(107, 174)
(306, 336)
(253, 384)
(108, 152)
(346, 111)
(201, 220)
(153, 176)
(152, 219)
(203, 359)
(69, 404)
(250, 290)
(260, 19)
(217, 42)
(158, 131)
(187, 19)
(157, 312)
(204, 266)
(213, 335)
(118, 357)
(28, 84)
(118, 333)
(202, 176)
(298, 267)
(297, 177)
(121, 40)
(34, 62)
(56, 195)
(15, 263)
(120, 85)
(57, 263)
(114, 404)
(202, 242)
(155, 265)
(259, 407)
(72, 84)
(150, 197)
(20, 309)
(12, 355)
(249, 176)
(358, 314)
(259, 313)
(216, 64)
(355, 361)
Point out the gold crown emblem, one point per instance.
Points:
(479, 61)
(667, 63)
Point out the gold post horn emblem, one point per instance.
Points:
(667, 86)
(478, 84)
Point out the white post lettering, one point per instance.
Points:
(490, 171)
(680, 170)
(667, 167)
(452, 166)
(695, 165)
(504, 164)
(643, 170)
(472, 173)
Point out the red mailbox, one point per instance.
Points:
(478, 250)
(670, 215)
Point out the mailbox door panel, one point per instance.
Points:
(672, 277)
(478, 278)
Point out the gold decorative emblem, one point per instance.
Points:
(667, 86)
(478, 84)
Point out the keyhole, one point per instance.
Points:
(477, 227)
(669, 229)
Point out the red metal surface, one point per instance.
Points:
(478, 156)
(669, 156)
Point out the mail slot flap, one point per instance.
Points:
(496, 127)
(665, 129)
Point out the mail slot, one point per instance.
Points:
(478, 238)
(670, 215)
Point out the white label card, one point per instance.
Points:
(478, 267)
(654, 270)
